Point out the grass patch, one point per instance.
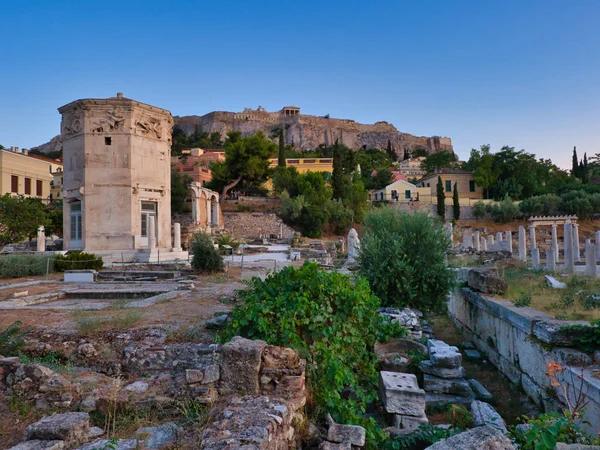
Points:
(90, 323)
(52, 360)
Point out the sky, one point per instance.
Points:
(519, 73)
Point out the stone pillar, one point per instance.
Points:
(151, 233)
(483, 244)
(532, 234)
(490, 243)
(476, 242)
(208, 215)
(535, 257)
(597, 242)
(550, 260)
(509, 241)
(449, 233)
(555, 242)
(467, 241)
(576, 251)
(522, 245)
(590, 260)
(41, 239)
(569, 257)
(177, 237)
(498, 237)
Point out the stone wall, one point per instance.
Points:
(256, 225)
(520, 342)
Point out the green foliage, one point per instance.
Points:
(373, 160)
(19, 266)
(281, 156)
(381, 178)
(479, 210)
(404, 258)
(586, 338)
(78, 260)
(340, 217)
(503, 211)
(441, 199)
(439, 160)
(548, 429)
(332, 322)
(291, 208)
(312, 219)
(541, 205)
(424, 436)
(390, 151)
(205, 258)
(180, 189)
(455, 203)
(523, 300)
(11, 339)
(344, 165)
(20, 218)
(461, 417)
(200, 139)
(226, 239)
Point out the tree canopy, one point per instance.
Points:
(20, 218)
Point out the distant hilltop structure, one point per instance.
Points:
(308, 132)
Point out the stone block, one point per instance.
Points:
(484, 414)
(240, 366)
(457, 386)
(562, 446)
(472, 354)
(71, 427)
(481, 393)
(211, 374)
(479, 438)
(193, 376)
(486, 281)
(553, 332)
(442, 372)
(436, 400)
(333, 446)
(113, 444)
(409, 422)
(352, 434)
(39, 445)
(400, 394)
(162, 436)
(448, 357)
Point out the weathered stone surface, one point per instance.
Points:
(71, 427)
(39, 445)
(409, 422)
(553, 332)
(87, 350)
(442, 372)
(485, 414)
(434, 400)
(240, 366)
(554, 283)
(353, 434)
(486, 281)
(481, 393)
(158, 437)
(457, 386)
(480, 438)
(400, 394)
(138, 387)
(448, 357)
(118, 444)
(194, 376)
(562, 446)
(334, 446)
(472, 354)
(216, 322)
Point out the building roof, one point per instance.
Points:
(445, 172)
(43, 158)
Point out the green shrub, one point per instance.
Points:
(586, 338)
(340, 217)
(18, 266)
(11, 339)
(77, 260)
(331, 322)
(479, 210)
(424, 436)
(205, 258)
(404, 258)
(503, 211)
(226, 239)
(312, 219)
(523, 300)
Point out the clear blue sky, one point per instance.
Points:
(524, 73)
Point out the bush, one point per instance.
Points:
(586, 338)
(18, 266)
(541, 205)
(478, 210)
(503, 211)
(205, 258)
(332, 322)
(404, 258)
(312, 219)
(11, 339)
(77, 260)
(340, 217)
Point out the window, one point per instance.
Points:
(448, 186)
(428, 185)
(107, 141)
(407, 194)
(14, 184)
(75, 227)
(38, 188)
(148, 210)
(471, 186)
(27, 186)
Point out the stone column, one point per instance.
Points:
(490, 243)
(532, 236)
(483, 244)
(590, 260)
(535, 257)
(177, 237)
(467, 241)
(576, 251)
(569, 261)
(597, 242)
(41, 239)
(449, 233)
(208, 215)
(151, 233)
(476, 242)
(522, 245)
(509, 241)
(555, 242)
(550, 262)
(498, 237)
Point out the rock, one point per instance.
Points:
(39, 445)
(211, 374)
(117, 444)
(481, 393)
(442, 372)
(193, 376)
(217, 322)
(95, 432)
(554, 283)
(159, 437)
(561, 446)
(457, 386)
(486, 281)
(38, 372)
(488, 438)
(400, 394)
(445, 356)
(409, 422)
(139, 387)
(71, 427)
(87, 350)
(484, 414)
(240, 366)
(352, 434)
(554, 331)
(436, 400)
(332, 446)
(597, 357)
(472, 354)
(19, 294)
(468, 345)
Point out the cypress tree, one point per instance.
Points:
(281, 161)
(390, 152)
(575, 167)
(441, 199)
(455, 202)
(584, 174)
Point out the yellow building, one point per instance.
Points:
(468, 191)
(398, 191)
(56, 185)
(25, 174)
(303, 165)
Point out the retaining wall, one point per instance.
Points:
(520, 342)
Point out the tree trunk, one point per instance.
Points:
(229, 186)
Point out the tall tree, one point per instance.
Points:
(584, 173)
(575, 165)
(344, 165)
(390, 151)
(439, 160)
(455, 202)
(180, 189)
(281, 160)
(441, 199)
(20, 218)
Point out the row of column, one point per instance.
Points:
(152, 235)
(481, 243)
